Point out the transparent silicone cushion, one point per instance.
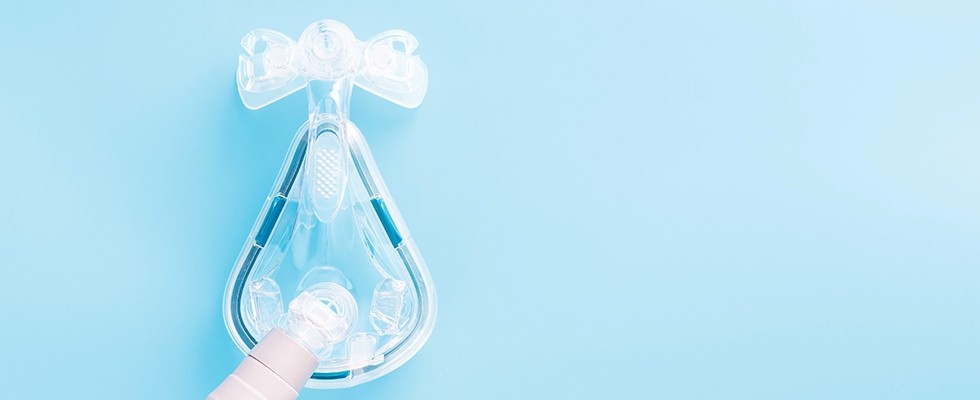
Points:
(362, 248)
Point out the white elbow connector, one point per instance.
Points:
(282, 362)
(276, 369)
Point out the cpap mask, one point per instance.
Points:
(329, 290)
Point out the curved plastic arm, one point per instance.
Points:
(274, 66)
(397, 76)
(268, 70)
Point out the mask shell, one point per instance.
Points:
(363, 247)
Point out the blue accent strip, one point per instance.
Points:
(382, 210)
(271, 217)
(330, 375)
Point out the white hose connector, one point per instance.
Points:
(276, 369)
(281, 363)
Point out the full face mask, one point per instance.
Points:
(329, 290)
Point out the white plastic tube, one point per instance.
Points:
(276, 369)
(281, 363)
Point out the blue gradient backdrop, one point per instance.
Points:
(665, 200)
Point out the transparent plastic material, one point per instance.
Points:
(329, 232)
(273, 65)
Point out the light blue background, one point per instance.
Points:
(668, 200)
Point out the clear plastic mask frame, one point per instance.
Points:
(329, 222)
